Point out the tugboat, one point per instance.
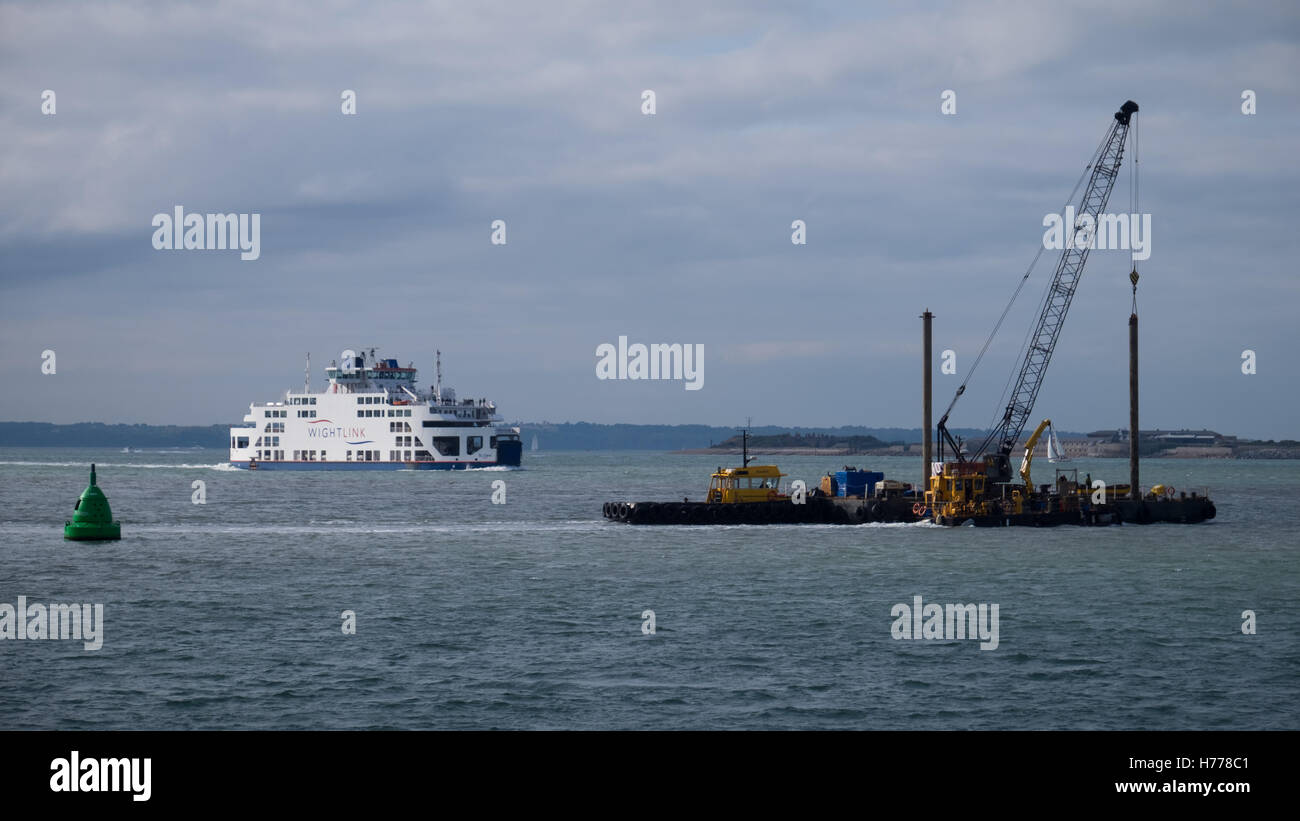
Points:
(746, 485)
(753, 495)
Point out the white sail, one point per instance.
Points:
(1054, 451)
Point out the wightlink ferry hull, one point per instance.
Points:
(504, 459)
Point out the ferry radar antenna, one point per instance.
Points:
(437, 391)
(306, 375)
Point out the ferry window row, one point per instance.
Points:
(399, 456)
(302, 400)
(306, 414)
(266, 440)
(274, 427)
(275, 414)
(372, 413)
(364, 456)
(270, 455)
(309, 456)
(399, 427)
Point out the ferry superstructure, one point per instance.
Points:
(373, 416)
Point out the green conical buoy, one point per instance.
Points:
(92, 519)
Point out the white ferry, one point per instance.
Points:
(373, 416)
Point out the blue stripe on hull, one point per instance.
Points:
(368, 465)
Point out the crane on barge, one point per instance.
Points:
(965, 486)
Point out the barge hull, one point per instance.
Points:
(1122, 511)
(815, 510)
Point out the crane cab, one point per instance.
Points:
(965, 489)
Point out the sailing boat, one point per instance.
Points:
(1055, 453)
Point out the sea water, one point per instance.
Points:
(536, 612)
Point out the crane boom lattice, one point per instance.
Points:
(1042, 342)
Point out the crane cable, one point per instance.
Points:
(1000, 407)
(1047, 289)
(962, 388)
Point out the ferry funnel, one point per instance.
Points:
(92, 518)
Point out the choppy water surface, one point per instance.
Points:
(529, 614)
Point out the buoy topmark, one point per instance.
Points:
(92, 519)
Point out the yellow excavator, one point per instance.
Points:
(1028, 460)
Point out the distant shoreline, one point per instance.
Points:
(1075, 449)
(687, 439)
(915, 450)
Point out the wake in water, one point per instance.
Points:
(218, 466)
(28, 530)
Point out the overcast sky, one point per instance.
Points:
(675, 227)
